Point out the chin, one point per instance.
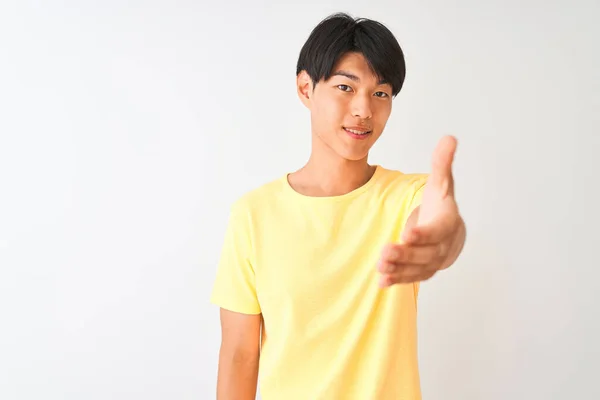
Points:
(347, 148)
(354, 152)
(354, 155)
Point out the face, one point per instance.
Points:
(350, 110)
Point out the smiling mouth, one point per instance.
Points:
(359, 132)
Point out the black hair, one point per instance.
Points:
(339, 34)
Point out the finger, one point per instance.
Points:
(398, 254)
(387, 259)
(411, 274)
(441, 168)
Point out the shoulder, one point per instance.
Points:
(259, 197)
(399, 193)
(394, 182)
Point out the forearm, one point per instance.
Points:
(237, 377)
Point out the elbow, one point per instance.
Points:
(240, 356)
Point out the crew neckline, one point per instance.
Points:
(323, 199)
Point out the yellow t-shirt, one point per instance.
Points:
(308, 264)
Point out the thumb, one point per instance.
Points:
(441, 169)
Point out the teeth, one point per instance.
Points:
(357, 132)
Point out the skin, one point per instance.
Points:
(435, 232)
(239, 354)
(434, 235)
(338, 163)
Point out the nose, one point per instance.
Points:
(361, 107)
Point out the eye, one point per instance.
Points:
(344, 88)
(381, 94)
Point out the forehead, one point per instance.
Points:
(355, 64)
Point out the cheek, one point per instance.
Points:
(336, 113)
(382, 114)
(329, 114)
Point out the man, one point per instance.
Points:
(320, 269)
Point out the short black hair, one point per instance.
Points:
(339, 34)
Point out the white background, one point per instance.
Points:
(128, 128)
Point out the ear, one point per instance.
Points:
(304, 86)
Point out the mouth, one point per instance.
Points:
(358, 133)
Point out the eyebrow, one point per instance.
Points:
(354, 77)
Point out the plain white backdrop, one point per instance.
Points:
(128, 128)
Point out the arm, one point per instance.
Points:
(238, 356)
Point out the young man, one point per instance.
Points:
(320, 269)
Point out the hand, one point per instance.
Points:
(434, 234)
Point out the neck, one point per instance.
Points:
(328, 174)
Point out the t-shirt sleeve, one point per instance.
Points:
(234, 287)
(417, 197)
